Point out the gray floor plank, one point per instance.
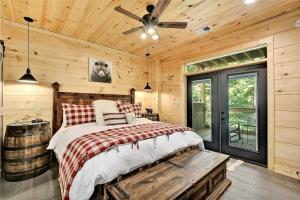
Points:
(248, 182)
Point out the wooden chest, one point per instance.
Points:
(24, 151)
(191, 175)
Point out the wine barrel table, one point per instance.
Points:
(24, 151)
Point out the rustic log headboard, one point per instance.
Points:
(80, 99)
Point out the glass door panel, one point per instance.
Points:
(244, 113)
(201, 108)
(242, 123)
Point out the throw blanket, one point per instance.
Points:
(85, 147)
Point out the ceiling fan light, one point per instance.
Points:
(249, 1)
(143, 35)
(151, 30)
(155, 37)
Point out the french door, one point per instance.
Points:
(228, 109)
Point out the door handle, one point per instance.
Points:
(222, 115)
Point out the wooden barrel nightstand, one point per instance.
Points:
(24, 150)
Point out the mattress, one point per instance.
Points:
(108, 165)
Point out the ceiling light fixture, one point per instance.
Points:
(151, 30)
(143, 35)
(155, 37)
(249, 1)
(27, 77)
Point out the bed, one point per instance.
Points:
(110, 165)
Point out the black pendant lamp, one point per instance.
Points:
(147, 87)
(27, 77)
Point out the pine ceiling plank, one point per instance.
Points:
(91, 17)
(77, 13)
(7, 9)
(62, 12)
(48, 14)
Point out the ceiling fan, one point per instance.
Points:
(151, 20)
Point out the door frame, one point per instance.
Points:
(217, 139)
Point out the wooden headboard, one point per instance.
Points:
(80, 99)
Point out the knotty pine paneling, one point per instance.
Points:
(56, 58)
(287, 54)
(287, 86)
(287, 135)
(287, 70)
(287, 151)
(287, 102)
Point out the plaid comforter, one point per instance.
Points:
(85, 147)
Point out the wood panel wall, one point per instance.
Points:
(287, 102)
(59, 58)
(283, 41)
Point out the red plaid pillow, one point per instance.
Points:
(124, 107)
(78, 114)
(137, 109)
(130, 108)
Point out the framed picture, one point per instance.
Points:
(100, 70)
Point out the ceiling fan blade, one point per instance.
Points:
(133, 30)
(172, 25)
(160, 8)
(129, 14)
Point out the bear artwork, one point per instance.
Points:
(100, 71)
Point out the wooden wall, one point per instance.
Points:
(287, 102)
(283, 41)
(58, 58)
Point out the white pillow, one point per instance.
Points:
(104, 106)
(130, 117)
(64, 122)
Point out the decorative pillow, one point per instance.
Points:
(104, 106)
(78, 114)
(124, 107)
(129, 108)
(111, 119)
(137, 109)
(130, 117)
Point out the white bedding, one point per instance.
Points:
(108, 165)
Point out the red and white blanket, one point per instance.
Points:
(85, 147)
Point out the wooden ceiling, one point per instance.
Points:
(97, 22)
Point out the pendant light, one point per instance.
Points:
(27, 77)
(147, 87)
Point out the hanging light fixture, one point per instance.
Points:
(147, 87)
(27, 77)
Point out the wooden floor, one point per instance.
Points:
(248, 182)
